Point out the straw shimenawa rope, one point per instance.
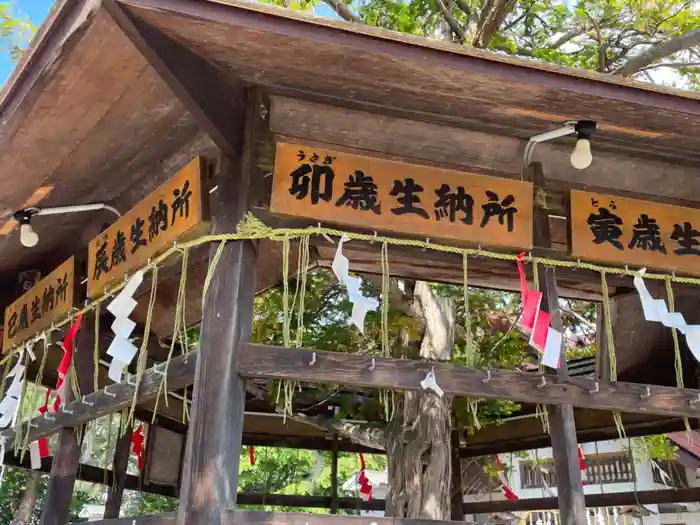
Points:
(252, 228)
(678, 362)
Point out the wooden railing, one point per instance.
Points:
(600, 469)
(675, 471)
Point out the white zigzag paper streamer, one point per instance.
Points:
(360, 304)
(656, 310)
(122, 350)
(10, 403)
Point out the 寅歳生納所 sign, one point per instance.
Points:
(622, 231)
(385, 195)
(176, 210)
(48, 301)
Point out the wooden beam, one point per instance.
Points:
(206, 91)
(96, 475)
(613, 499)
(112, 398)
(572, 507)
(210, 473)
(333, 368)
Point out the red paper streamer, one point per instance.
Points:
(43, 442)
(582, 466)
(365, 486)
(64, 366)
(505, 487)
(137, 446)
(251, 455)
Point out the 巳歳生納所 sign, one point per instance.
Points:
(176, 210)
(623, 231)
(385, 195)
(48, 301)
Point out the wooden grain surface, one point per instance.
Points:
(210, 471)
(636, 233)
(50, 300)
(406, 198)
(402, 375)
(113, 398)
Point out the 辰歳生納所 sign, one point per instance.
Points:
(384, 195)
(47, 302)
(623, 231)
(176, 210)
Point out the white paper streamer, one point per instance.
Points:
(9, 405)
(656, 310)
(360, 304)
(552, 348)
(35, 455)
(122, 350)
(430, 383)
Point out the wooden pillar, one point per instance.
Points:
(572, 504)
(64, 468)
(210, 476)
(457, 498)
(115, 494)
(334, 475)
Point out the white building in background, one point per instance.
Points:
(608, 469)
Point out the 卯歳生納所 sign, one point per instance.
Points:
(48, 301)
(380, 194)
(176, 210)
(623, 231)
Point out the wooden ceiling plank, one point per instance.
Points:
(204, 90)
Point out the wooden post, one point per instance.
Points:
(572, 504)
(115, 494)
(64, 469)
(210, 475)
(457, 499)
(334, 475)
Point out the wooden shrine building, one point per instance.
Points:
(202, 110)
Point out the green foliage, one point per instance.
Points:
(15, 29)
(656, 447)
(13, 486)
(287, 471)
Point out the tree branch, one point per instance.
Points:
(455, 26)
(567, 37)
(674, 65)
(343, 10)
(492, 16)
(655, 53)
(364, 434)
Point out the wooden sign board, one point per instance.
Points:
(174, 211)
(637, 233)
(50, 300)
(379, 194)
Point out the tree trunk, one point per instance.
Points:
(418, 440)
(25, 509)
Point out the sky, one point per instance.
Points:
(36, 10)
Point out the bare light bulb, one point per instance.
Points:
(582, 157)
(27, 235)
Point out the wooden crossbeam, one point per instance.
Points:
(274, 362)
(115, 397)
